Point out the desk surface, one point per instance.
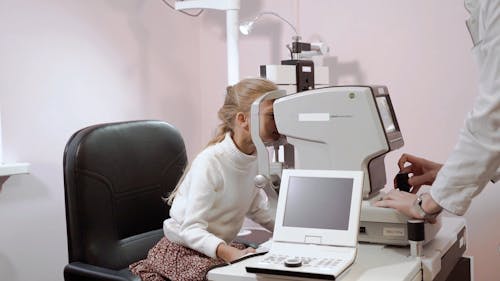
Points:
(374, 262)
(390, 265)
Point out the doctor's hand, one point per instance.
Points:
(404, 203)
(424, 171)
(401, 201)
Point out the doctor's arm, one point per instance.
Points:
(475, 159)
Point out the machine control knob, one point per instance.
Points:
(293, 262)
(401, 182)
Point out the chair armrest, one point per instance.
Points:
(77, 271)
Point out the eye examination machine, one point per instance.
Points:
(350, 128)
(342, 128)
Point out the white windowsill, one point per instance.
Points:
(7, 170)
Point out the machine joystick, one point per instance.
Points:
(401, 182)
(293, 262)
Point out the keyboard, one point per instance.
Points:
(310, 262)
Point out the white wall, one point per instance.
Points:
(68, 64)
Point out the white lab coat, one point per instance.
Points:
(475, 159)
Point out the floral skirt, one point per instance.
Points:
(170, 261)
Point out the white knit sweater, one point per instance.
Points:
(214, 198)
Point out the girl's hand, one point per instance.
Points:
(229, 254)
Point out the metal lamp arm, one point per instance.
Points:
(276, 15)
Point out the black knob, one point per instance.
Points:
(401, 182)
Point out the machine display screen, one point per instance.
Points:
(385, 114)
(316, 202)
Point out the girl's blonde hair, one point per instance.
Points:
(239, 98)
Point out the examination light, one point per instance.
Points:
(247, 26)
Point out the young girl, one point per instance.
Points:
(214, 196)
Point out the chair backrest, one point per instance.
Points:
(115, 176)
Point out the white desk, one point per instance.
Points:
(378, 262)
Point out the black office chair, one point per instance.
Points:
(115, 176)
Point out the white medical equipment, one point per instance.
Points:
(316, 229)
(339, 128)
(299, 73)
